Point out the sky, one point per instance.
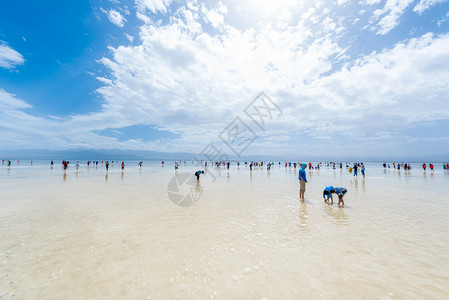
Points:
(366, 77)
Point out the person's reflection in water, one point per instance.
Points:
(363, 185)
(64, 176)
(303, 216)
(106, 177)
(251, 177)
(337, 213)
(122, 175)
(198, 192)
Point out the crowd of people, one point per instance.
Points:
(328, 191)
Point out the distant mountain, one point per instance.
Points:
(115, 154)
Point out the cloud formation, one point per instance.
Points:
(389, 15)
(424, 5)
(192, 69)
(116, 18)
(9, 58)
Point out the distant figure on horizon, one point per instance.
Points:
(302, 181)
(140, 164)
(198, 173)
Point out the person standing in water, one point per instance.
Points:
(341, 191)
(198, 173)
(363, 169)
(354, 169)
(107, 166)
(123, 165)
(302, 181)
(327, 194)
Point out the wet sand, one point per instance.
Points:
(85, 235)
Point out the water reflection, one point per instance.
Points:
(303, 216)
(337, 213)
(106, 177)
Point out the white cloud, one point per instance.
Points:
(372, 2)
(10, 102)
(215, 16)
(443, 19)
(153, 6)
(190, 80)
(181, 69)
(129, 37)
(116, 18)
(424, 5)
(9, 58)
(389, 15)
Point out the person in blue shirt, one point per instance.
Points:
(302, 181)
(198, 173)
(327, 194)
(341, 191)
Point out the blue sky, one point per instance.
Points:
(364, 77)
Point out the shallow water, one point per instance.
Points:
(87, 235)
